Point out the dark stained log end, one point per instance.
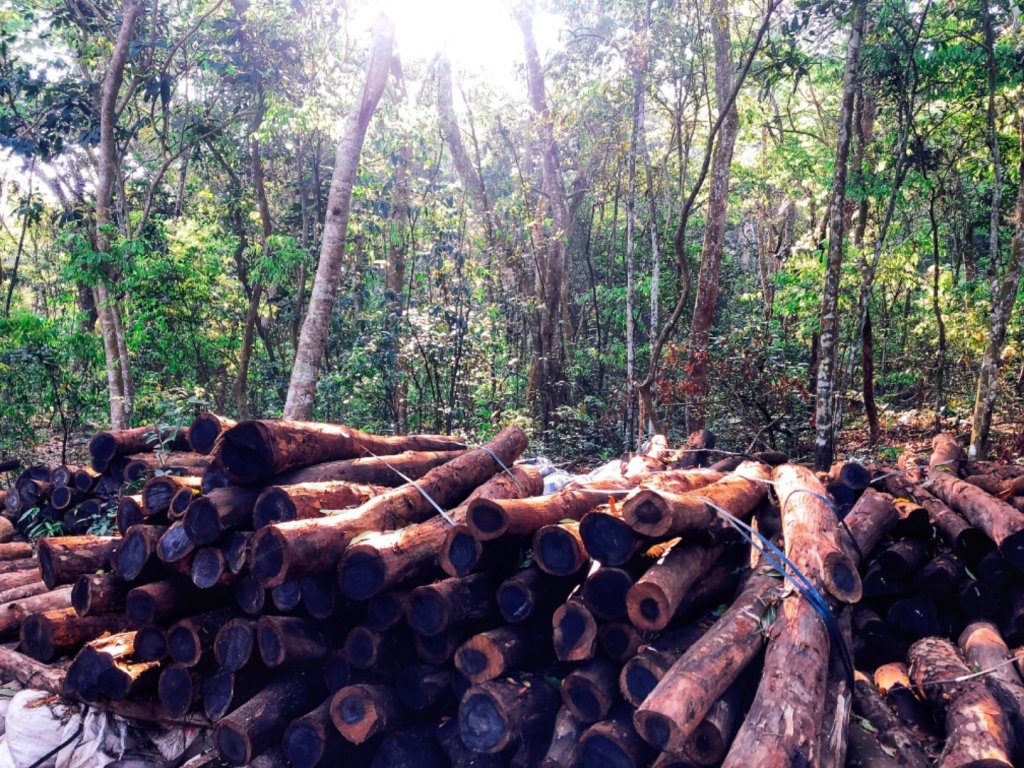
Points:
(176, 690)
(607, 538)
(575, 632)
(648, 606)
(286, 597)
(150, 643)
(273, 506)
(175, 544)
(487, 518)
(37, 637)
(361, 572)
(304, 743)
(461, 552)
(128, 513)
(843, 580)
(61, 498)
(201, 522)
(1012, 548)
(267, 564)
(102, 447)
(213, 477)
(319, 595)
(218, 693)
(180, 502)
(386, 610)
(208, 566)
(619, 639)
(605, 591)
(203, 432)
(184, 645)
(250, 595)
(271, 644)
(558, 552)
(482, 723)
(599, 751)
(140, 606)
(707, 745)
(232, 647)
(46, 570)
(362, 647)
(515, 601)
(655, 728)
(233, 743)
(638, 680)
(246, 453)
(646, 513)
(428, 612)
(337, 671)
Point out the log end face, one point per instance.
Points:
(271, 644)
(515, 602)
(637, 682)
(37, 637)
(461, 553)
(175, 690)
(648, 607)
(843, 580)
(487, 519)
(150, 643)
(218, 690)
(427, 613)
(102, 447)
(268, 558)
(246, 454)
(599, 750)
(207, 568)
(361, 572)
(481, 724)
(273, 506)
(645, 514)
(1012, 548)
(46, 570)
(656, 729)
(558, 551)
(232, 648)
(201, 522)
(303, 744)
(80, 598)
(184, 646)
(706, 745)
(586, 703)
(361, 647)
(607, 539)
(353, 714)
(203, 433)
(233, 743)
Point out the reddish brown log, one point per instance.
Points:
(558, 549)
(222, 510)
(374, 470)
(360, 712)
(838, 702)
(98, 594)
(30, 588)
(851, 474)
(302, 547)
(811, 534)
(421, 686)
(512, 710)
(487, 655)
(641, 673)
(59, 630)
(574, 630)
(105, 446)
(254, 450)
(31, 673)
(653, 600)
(262, 720)
(493, 518)
(63, 560)
(189, 639)
(669, 715)
(976, 729)
(590, 690)
(620, 640)
(562, 750)
(234, 644)
(947, 455)
(183, 499)
(289, 639)
(891, 732)
(137, 552)
(381, 560)
(160, 600)
(870, 519)
(998, 520)
(145, 465)
(530, 592)
(938, 578)
(129, 513)
(450, 602)
(985, 650)
(16, 550)
(205, 429)
(613, 741)
(158, 492)
(305, 501)
(711, 739)
(664, 513)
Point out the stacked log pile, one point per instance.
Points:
(320, 594)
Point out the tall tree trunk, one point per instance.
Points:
(714, 230)
(549, 355)
(940, 358)
(1002, 306)
(107, 303)
(824, 438)
(634, 141)
(313, 339)
(991, 117)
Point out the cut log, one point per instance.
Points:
(289, 639)
(653, 600)
(183, 499)
(530, 592)
(262, 720)
(210, 569)
(938, 578)
(513, 710)
(390, 471)
(902, 558)
(31, 493)
(413, 747)
(98, 594)
(608, 538)
(250, 595)
(613, 741)
(63, 560)
(664, 513)
(985, 650)
(107, 669)
(641, 673)
(160, 600)
(811, 534)
(382, 560)
(668, 717)
(302, 547)
(287, 597)
(234, 644)
(422, 686)
(439, 648)
(305, 501)
(189, 639)
(212, 515)
(128, 513)
(310, 737)
(590, 690)
(320, 595)
(180, 688)
(998, 520)
(852, 474)
(362, 711)
(30, 588)
(60, 630)
(976, 731)
(63, 498)
(255, 450)
(17, 550)
(366, 648)
(995, 570)
(605, 588)
(713, 736)
(947, 455)
(105, 446)
(487, 655)
(150, 643)
(460, 551)
(620, 640)
(212, 477)
(225, 691)
(558, 549)
(574, 630)
(205, 429)
(562, 749)
(158, 492)
(891, 732)
(137, 553)
(146, 465)
(450, 602)
(175, 544)
(916, 616)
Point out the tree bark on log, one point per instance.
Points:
(278, 504)
(385, 471)
(998, 520)
(189, 640)
(590, 690)
(558, 549)
(653, 600)
(98, 594)
(362, 711)
(514, 710)
(496, 652)
(12, 614)
(891, 732)
(985, 650)
(451, 602)
(216, 513)
(946, 455)
(59, 630)
(63, 560)
(289, 640)
(205, 430)
(137, 552)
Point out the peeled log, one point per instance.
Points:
(891, 732)
(278, 504)
(291, 550)
(374, 470)
(383, 560)
(513, 710)
(998, 520)
(664, 513)
(63, 560)
(976, 729)
(262, 720)
(811, 534)
(254, 450)
(984, 649)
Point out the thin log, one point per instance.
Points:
(16, 550)
(337, 670)
(487, 655)
(289, 639)
(105, 446)
(389, 471)
(947, 456)
(310, 737)
(12, 614)
(305, 501)
(613, 741)
(250, 595)
(255, 450)
(302, 547)
(641, 674)
(59, 630)
(144, 465)
(976, 729)
(574, 630)
(620, 640)
(558, 549)
(183, 499)
(160, 600)
(158, 492)
(422, 686)
(938, 578)
(851, 474)
(31, 673)
(261, 721)
(562, 749)
(98, 594)
(366, 648)
(362, 711)
(509, 711)
(450, 602)
(891, 732)
(902, 558)
(590, 690)
(320, 595)
(985, 650)
(29, 589)
(653, 600)
(63, 560)
(210, 569)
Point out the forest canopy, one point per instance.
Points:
(773, 219)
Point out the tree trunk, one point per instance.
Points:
(313, 339)
(825, 416)
(714, 231)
